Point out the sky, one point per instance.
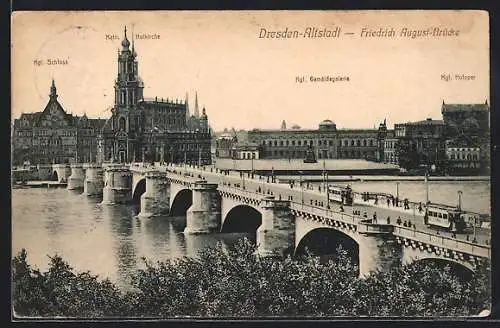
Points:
(246, 81)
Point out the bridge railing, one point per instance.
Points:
(443, 241)
(328, 213)
(241, 192)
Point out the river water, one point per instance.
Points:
(111, 242)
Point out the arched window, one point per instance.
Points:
(364, 142)
(121, 124)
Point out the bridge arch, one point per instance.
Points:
(54, 176)
(139, 189)
(242, 218)
(463, 271)
(181, 202)
(325, 242)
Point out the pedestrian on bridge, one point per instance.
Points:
(393, 201)
(388, 202)
(398, 221)
(388, 220)
(374, 217)
(341, 208)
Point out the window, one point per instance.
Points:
(364, 142)
(293, 142)
(281, 143)
(346, 142)
(358, 143)
(352, 142)
(299, 143)
(331, 143)
(121, 124)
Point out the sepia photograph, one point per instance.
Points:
(250, 164)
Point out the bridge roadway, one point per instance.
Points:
(311, 197)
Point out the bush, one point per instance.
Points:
(235, 282)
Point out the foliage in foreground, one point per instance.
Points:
(236, 282)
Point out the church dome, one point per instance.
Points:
(327, 125)
(125, 43)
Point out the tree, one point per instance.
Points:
(407, 155)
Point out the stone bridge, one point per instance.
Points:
(214, 202)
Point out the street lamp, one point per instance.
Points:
(301, 188)
(252, 163)
(397, 193)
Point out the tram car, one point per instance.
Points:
(447, 217)
(343, 195)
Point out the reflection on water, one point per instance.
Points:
(107, 240)
(110, 241)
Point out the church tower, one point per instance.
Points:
(53, 91)
(128, 87)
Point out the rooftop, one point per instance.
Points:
(464, 107)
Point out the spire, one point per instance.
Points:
(196, 110)
(53, 90)
(486, 102)
(125, 42)
(133, 47)
(187, 104)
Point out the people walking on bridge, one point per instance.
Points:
(405, 202)
(388, 202)
(420, 207)
(376, 199)
(393, 201)
(405, 224)
(398, 221)
(388, 220)
(374, 217)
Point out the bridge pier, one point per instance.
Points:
(94, 180)
(155, 201)
(378, 248)
(117, 185)
(204, 215)
(77, 177)
(277, 231)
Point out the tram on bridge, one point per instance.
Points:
(443, 216)
(343, 195)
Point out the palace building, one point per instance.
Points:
(326, 142)
(54, 136)
(151, 129)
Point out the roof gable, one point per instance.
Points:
(54, 116)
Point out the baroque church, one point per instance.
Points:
(151, 129)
